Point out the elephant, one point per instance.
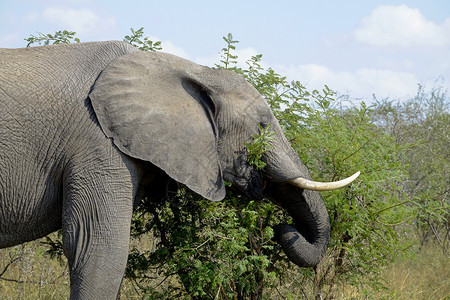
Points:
(85, 128)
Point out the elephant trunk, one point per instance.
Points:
(305, 243)
(290, 186)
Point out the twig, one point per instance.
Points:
(8, 265)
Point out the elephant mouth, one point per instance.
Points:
(245, 179)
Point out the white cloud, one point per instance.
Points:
(359, 84)
(245, 55)
(83, 21)
(401, 26)
(387, 83)
(169, 47)
(9, 38)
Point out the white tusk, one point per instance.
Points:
(322, 186)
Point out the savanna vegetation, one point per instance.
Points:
(390, 228)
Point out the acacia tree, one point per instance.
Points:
(424, 122)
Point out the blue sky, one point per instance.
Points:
(357, 48)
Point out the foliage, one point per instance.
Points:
(215, 249)
(60, 37)
(364, 216)
(138, 40)
(228, 58)
(54, 246)
(260, 145)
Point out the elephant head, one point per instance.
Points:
(193, 122)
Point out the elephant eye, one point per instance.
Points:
(263, 124)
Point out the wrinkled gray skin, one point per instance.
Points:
(85, 128)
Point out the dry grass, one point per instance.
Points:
(33, 275)
(30, 274)
(427, 276)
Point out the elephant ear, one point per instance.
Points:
(155, 109)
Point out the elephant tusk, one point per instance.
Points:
(322, 186)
